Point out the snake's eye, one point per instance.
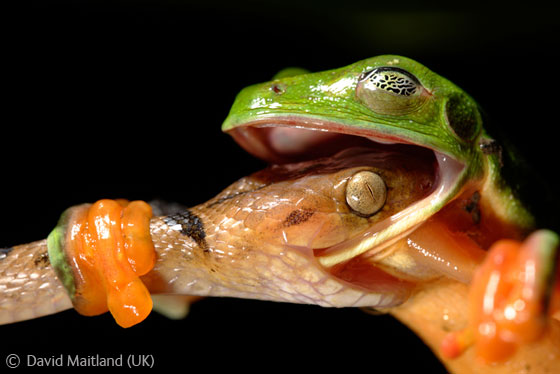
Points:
(390, 90)
(366, 193)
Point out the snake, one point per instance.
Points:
(268, 224)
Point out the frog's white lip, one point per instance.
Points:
(310, 138)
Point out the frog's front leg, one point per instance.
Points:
(506, 321)
(511, 300)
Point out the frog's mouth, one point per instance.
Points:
(291, 139)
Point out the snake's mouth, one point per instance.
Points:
(290, 139)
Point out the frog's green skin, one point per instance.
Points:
(443, 118)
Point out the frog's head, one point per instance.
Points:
(382, 102)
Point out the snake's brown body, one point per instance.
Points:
(28, 284)
(256, 239)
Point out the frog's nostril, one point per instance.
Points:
(278, 88)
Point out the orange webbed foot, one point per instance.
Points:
(514, 294)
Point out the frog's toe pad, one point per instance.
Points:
(173, 306)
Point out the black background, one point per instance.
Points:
(126, 98)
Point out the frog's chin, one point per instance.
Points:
(289, 140)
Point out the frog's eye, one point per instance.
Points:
(463, 116)
(366, 193)
(390, 90)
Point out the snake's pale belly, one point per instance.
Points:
(246, 272)
(30, 287)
